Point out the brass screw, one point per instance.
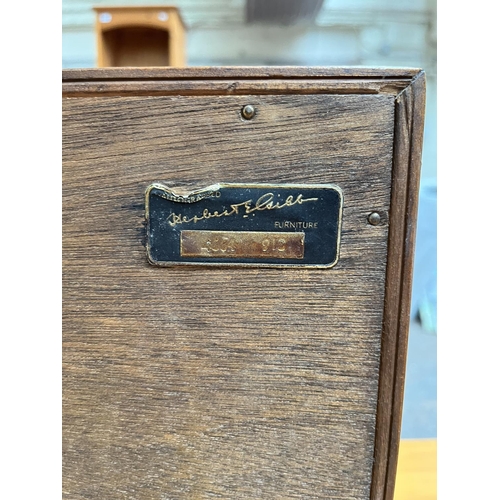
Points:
(374, 218)
(248, 112)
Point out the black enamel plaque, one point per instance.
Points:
(279, 225)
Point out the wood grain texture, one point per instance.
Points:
(239, 73)
(409, 117)
(224, 383)
(232, 87)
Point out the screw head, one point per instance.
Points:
(248, 112)
(374, 219)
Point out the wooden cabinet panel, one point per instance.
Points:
(217, 382)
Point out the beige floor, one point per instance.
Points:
(416, 478)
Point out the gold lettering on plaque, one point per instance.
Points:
(243, 244)
(265, 202)
(295, 225)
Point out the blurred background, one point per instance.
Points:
(384, 33)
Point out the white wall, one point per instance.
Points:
(355, 32)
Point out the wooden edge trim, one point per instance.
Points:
(231, 87)
(235, 72)
(408, 137)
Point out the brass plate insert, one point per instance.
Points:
(246, 244)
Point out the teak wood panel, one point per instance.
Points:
(233, 383)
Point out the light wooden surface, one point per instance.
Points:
(416, 477)
(248, 383)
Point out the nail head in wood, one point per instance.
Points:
(248, 112)
(374, 219)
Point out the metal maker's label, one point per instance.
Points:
(279, 225)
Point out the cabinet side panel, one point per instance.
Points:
(192, 382)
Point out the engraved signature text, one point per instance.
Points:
(265, 202)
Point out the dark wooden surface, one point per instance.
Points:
(187, 383)
(237, 72)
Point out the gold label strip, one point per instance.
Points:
(242, 244)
